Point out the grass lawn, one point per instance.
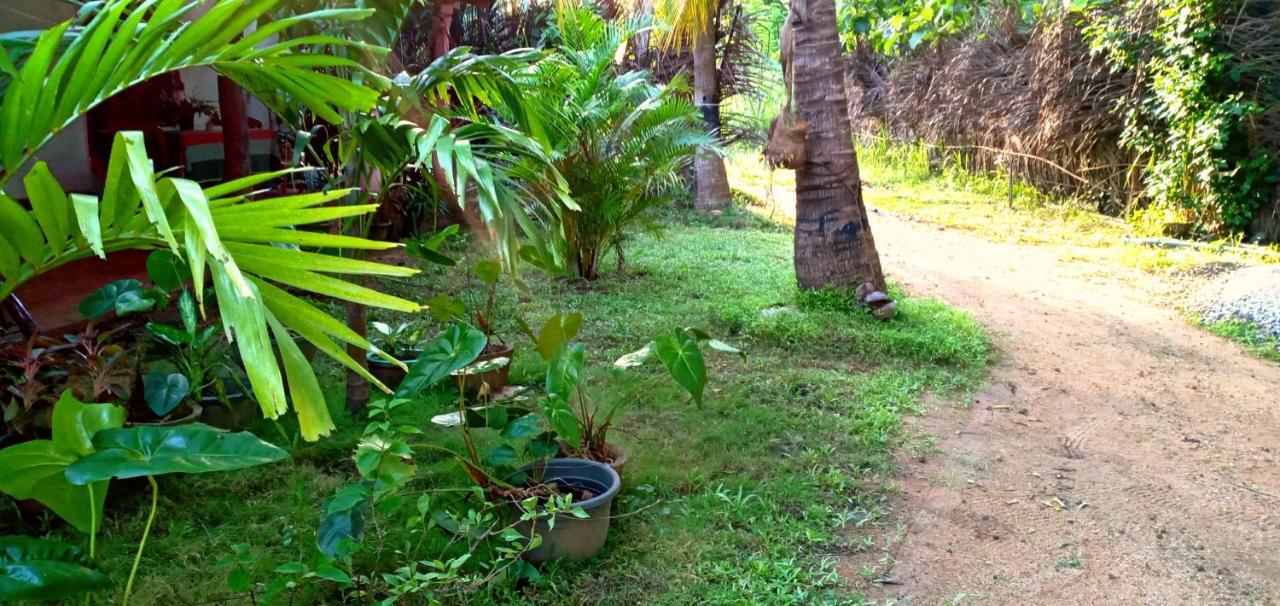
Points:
(744, 501)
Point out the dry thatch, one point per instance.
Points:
(1039, 103)
(1036, 103)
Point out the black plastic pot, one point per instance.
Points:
(390, 374)
(574, 538)
(242, 412)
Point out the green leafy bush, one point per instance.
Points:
(1189, 117)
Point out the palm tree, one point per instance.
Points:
(833, 242)
(693, 22)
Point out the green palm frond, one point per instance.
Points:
(224, 236)
(65, 71)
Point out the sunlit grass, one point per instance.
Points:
(899, 180)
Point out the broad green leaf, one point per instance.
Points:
(502, 455)
(245, 319)
(564, 373)
(457, 347)
(679, 353)
(35, 469)
(558, 330)
(123, 297)
(41, 569)
(167, 270)
(444, 308)
(342, 526)
(560, 417)
(86, 209)
(135, 452)
(389, 463)
(17, 226)
(144, 183)
(165, 390)
(526, 426)
(488, 271)
(254, 255)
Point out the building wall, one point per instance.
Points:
(68, 152)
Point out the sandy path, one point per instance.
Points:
(1119, 456)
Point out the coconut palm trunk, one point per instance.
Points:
(712, 183)
(833, 242)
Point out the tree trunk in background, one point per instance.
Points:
(233, 106)
(358, 320)
(833, 243)
(712, 183)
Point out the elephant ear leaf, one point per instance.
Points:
(35, 469)
(151, 451)
(558, 330)
(40, 569)
(456, 348)
(680, 355)
(165, 390)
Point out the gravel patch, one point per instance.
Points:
(1249, 295)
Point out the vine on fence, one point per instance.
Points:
(1187, 117)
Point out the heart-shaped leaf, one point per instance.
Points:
(40, 570)
(488, 271)
(165, 390)
(558, 330)
(457, 347)
(35, 469)
(679, 353)
(444, 308)
(151, 451)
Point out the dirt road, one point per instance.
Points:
(1119, 456)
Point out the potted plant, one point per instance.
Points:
(581, 417)
(191, 372)
(563, 422)
(400, 341)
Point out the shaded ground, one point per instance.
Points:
(1118, 456)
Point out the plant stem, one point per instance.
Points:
(93, 534)
(146, 530)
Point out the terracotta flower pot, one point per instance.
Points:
(497, 379)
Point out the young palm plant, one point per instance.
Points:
(620, 141)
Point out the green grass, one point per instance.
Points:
(1248, 335)
(743, 501)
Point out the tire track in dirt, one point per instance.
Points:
(1119, 456)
